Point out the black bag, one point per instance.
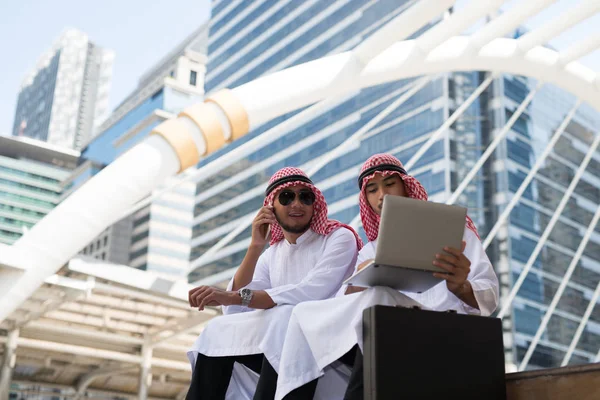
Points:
(416, 354)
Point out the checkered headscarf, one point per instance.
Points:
(319, 222)
(414, 189)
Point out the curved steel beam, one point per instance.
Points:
(287, 90)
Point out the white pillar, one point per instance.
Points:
(8, 364)
(173, 146)
(145, 371)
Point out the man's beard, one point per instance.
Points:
(293, 229)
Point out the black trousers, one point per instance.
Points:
(212, 375)
(355, 390)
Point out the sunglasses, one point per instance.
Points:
(287, 197)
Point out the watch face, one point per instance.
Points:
(246, 292)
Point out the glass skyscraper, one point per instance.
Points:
(513, 248)
(250, 39)
(64, 98)
(30, 183)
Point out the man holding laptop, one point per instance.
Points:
(460, 278)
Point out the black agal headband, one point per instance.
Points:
(379, 168)
(286, 179)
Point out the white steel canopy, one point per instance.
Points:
(88, 328)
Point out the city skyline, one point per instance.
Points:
(132, 35)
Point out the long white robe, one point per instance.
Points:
(320, 332)
(311, 269)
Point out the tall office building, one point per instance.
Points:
(250, 39)
(515, 244)
(30, 176)
(65, 96)
(156, 237)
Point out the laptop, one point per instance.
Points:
(411, 233)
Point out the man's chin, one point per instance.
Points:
(295, 228)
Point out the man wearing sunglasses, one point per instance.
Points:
(308, 259)
(321, 332)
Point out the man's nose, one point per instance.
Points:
(297, 201)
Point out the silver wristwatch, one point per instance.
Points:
(246, 295)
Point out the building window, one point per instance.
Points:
(193, 75)
(98, 244)
(141, 221)
(138, 253)
(105, 240)
(104, 256)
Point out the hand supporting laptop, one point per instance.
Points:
(458, 267)
(350, 289)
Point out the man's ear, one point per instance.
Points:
(404, 186)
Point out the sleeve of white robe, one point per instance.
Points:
(366, 253)
(322, 282)
(482, 277)
(260, 281)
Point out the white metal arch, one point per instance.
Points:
(403, 60)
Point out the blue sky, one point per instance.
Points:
(141, 32)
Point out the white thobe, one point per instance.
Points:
(311, 269)
(320, 332)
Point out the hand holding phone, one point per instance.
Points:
(261, 226)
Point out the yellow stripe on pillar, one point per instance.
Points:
(177, 134)
(234, 110)
(206, 119)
